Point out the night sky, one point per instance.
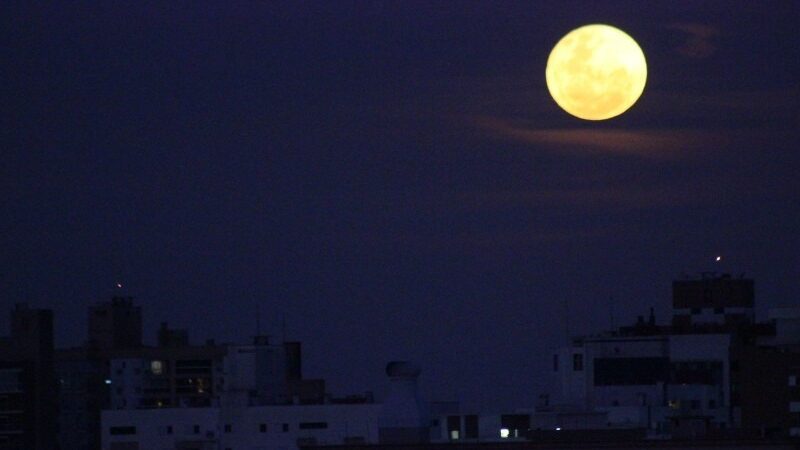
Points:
(392, 178)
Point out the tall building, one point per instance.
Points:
(115, 325)
(766, 381)
(713, 299)
(27, 382)
(677, 379)
(83, 372)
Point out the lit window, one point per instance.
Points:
(454, 435)
(504, 433)
(157, 367)
(792, 380)
(674, 404)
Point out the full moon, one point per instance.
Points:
(596, 72)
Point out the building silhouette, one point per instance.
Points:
(27, 382)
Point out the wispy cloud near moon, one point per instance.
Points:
(653, 144)
(699, 39)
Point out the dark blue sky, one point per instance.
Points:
(392, 177)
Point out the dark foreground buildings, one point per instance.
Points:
(712, 377)
(115, 370)
(27, 382)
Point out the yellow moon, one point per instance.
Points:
(596, 72)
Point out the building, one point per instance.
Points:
(236, 422)
(713, 299)
(766, 378)
(83, 373)
(671, 380)
(194, 376)
(240, 427)
(27, 382)
(116, 371)
(115, 325)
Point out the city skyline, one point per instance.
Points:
(392, 179)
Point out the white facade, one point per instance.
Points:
(260, 369)
(707, 352)
(641, 381)
(787, 325)
(248, 428)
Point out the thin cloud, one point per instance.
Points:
(652, 144)
(699, 39)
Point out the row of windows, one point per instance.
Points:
(693, 404)
(227, 428)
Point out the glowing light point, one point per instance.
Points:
(719, 258)
(119, 285)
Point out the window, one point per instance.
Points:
(577, 362)
(555, 363)
(116, 431)
(262, 428)
(454, 435)
(313, 425)
(471, 427)
(793, 380)
(286, 428)
(719, 310)
(196, 429)
(453, 424)
(696, 310)
(169, 429)
(157, 367)
(228, 428)
(712, 404)
(695, 404)
(630, 371)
